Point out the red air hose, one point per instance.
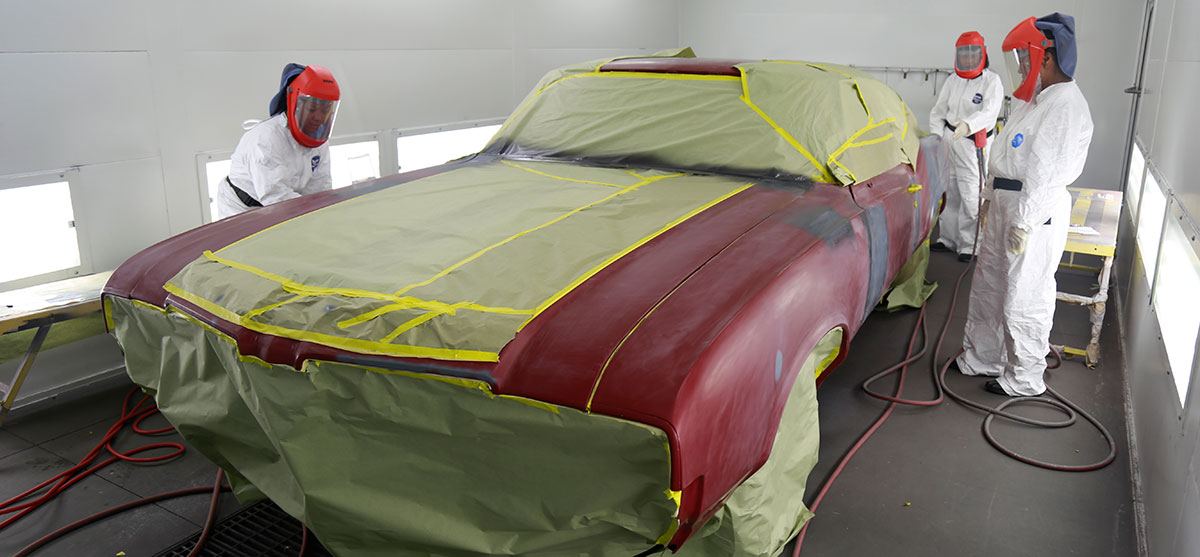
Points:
(76, 473)
(69, 477)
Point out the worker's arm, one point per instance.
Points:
(275, 177)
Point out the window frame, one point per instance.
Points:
(1175, 217)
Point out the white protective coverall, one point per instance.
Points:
(1012, 301)
(977, 102)
(271, 166)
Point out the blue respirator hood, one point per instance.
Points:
(1062, 28)
(279, 101)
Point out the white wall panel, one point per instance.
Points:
(407, 89)
(536, 62)
(72, 25)
(121, 209)
(77, 108)
(313, 25)
(1175, 137)
(1158, 427)
(1156, 57)
(589, 24)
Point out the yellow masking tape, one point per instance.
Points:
(357, 345)
(534, 403)
(304, 290)
(106, 303)
(264, 309)
(540, 173)
(825, 175)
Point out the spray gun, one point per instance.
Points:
(980, 139)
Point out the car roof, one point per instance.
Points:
(699, 66)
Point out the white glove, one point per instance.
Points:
(960, 129)
(1017, 237)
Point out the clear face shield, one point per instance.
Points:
(1018, 65)
(968, 57)
(314, 116)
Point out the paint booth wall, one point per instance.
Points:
(1158, 247)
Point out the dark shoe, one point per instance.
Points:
(993, 386)
(938, 246)
(965, 257)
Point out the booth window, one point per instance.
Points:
(1149, 225)
(215, 173)
(1177, 295)
(415, 152)
(38, 226)
(352, 163)
(1133, 189)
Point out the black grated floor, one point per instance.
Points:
(261, 529)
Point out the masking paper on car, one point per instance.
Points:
(386, 462)
(380, 462)
(777, 119)
(450, 266)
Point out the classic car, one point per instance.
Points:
(602, 334)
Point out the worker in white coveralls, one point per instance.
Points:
(1038, 154)
(969, 102)
(284, 156)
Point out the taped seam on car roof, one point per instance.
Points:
(857, 87)
(542, 307)
(540, 173)
(862, 98)
(849, 144)
(358, 345)
(476, 255)
(825, 175)
(598, 73)
(635, 174)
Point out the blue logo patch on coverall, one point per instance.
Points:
(1018, 140)
(978, 98)
(316, 161)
